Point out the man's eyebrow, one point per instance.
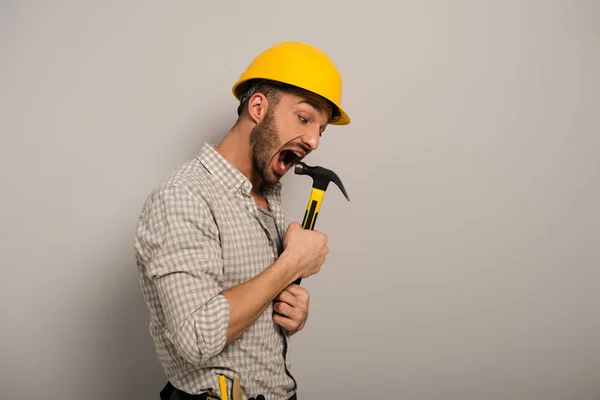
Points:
(311, 103)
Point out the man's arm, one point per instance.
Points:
(178, 242)
(303, 255)
(248, 300)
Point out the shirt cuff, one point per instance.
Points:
(212, 322)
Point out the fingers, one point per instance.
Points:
(288, 310)
(289, 324)
(285, 322)
(295, 291)
(295, 296)
(291, 308)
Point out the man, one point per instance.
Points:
(216, 262)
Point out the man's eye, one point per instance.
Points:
(302, 119)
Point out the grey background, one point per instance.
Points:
(465, 265)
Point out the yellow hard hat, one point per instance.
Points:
(300, 65)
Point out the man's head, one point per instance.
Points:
(289, 93)
(288, 123)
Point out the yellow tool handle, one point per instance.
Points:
(312, 212)
(223, 386)
(312, 209)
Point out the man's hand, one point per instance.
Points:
(291, 308)
(307, 248)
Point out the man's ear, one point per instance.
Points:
(258, 105)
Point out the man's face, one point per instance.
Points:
(288, 133)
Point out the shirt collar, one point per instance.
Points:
(229, 175)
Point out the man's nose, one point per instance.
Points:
(311, 139)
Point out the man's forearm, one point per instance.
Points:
(248, 300)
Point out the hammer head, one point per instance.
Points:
(321, 177)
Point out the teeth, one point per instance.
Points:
(297, 154)
(282, 165)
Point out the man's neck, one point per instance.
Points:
(235, 148)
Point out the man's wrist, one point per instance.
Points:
(288, 263)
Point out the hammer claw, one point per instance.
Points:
(321, 177)
(342, 188)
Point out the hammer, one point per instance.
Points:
(321, 178)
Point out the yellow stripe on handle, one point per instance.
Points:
(312, 209)
(223, 386)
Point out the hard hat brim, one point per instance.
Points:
(241, 86)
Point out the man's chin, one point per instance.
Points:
(270, 178)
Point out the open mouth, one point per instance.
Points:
(286, 159)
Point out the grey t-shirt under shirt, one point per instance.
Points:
(269, 221)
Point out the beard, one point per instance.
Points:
(264, 145)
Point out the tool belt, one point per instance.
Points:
(170, 392)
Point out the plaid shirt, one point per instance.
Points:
(200, 233)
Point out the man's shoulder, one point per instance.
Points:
(189, 180)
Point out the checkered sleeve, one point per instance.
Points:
(183, 258)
